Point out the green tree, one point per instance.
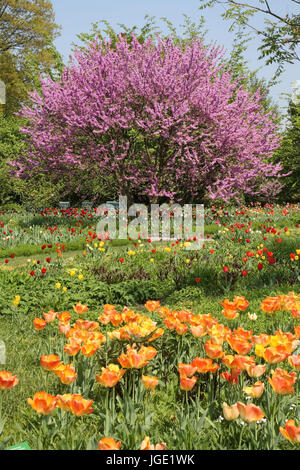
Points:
(289, 154)
(280, 37)
(150, 29)
(11, 144)
(27, 32)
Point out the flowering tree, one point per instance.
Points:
(161, 120)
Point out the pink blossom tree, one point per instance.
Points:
(163, 121)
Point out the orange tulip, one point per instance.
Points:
(250, 413)
(64, 317)
(152, 305)
(297, 331)
(148, 351)
(87, 324)
(290, 431)
(230, 413)
(110, 375)
(132, 359)
(255, 370)
(149, 382)
(108, 443)
(63, 401)
(186, 369)
(157, 334)
(49, 362)
(214, 351)
(232, 377)
(73, 347)
(242, 362)
(50, 316)
(228, 305)
(80, 406)
(230, 314)
(227, 360)
(256, 391)
(116, 319)
(271, 305)
(7, 380)
(240, 302)
(108, 308)
(89, 348)
(64, 328)
(39, 323)
(66, 373)
(276, 354)
(294, 361)
(282, 382)
(205, 365)
(80, 309)
(146, 445)
(245, 334)
(104, 318)
(181, 328)
(198, 331)
(43, 403)
(163, 311)
(187, 383)
(261, 339)
(239, 345)
(295, 313)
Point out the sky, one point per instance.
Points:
(76, 16)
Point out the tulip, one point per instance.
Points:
(256, 391)
(73, 347)
(80, 406)
(282, 382)
(232, 377)
(187, 383)
(63, 401)
(149, 382)
(239, 344)
(255, 370)
(290, 431)
(276, 354)
(43, 403)
(64, 328)
(80, 309)
(186, 369)
(230, 413)
(108, 443)
(39, 323)
(50, 316)
(250, 413)
(205, 365)
(214, 351)
(198, 331)
(110, 375)
(7, 380)
(49, 362)
(294, 361)
(64, 317)
(152, 305)
(146, 445)
(89, 348)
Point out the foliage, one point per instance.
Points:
(27, 32)
(280, 37)
(289, 154)
(226, 156)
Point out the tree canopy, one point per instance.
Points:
(280, 36)
(163, 121)
(27, 32)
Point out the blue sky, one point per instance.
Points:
(76, 16)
